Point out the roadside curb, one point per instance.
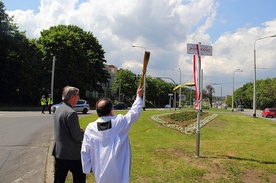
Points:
(49, 177)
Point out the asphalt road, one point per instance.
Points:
(24, 143)
(249, 112)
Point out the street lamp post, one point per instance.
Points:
(254, 83)
(174, 98)
(144, 95)
(179, 102)
(120, 82)
(179, 105)
(221, 97)
(220, 93)
(53, 77)
(238, 70)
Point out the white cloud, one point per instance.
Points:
(164, 27)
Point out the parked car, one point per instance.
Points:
(82, 106)
(240, 108)
(120, 105)
(269, 112)
(168, 106)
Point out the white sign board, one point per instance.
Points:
(204, 49)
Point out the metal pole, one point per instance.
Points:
(174, 105)
(179, 105)
(238, 70)
(120, 90)
(190, 96)
(254, 84)
(255, 80)
(53, 77)
(174, 100)
(233, 93)
(144, 96)
(221, 97)
(199, 106)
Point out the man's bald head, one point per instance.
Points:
(104, 107)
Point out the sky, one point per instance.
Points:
(165, 27)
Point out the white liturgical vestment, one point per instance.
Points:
(107, 152)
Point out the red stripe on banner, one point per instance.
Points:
(195, 81)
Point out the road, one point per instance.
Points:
(249, 112)
(24, 143)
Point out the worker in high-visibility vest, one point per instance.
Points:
(43, 103)
(50, 103)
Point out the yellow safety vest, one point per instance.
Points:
(50, 101)
(43, 101)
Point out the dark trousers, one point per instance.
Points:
(43, 108)
(63, 166)
(49, 108)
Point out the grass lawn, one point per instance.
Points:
(233, 148)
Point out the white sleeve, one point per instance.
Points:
(85, 155)
(134, 113)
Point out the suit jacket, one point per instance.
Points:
(68, 136)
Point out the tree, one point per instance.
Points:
(208, 92)
(157, 91)
(265, 93)
(80, 58)
(125, 85)
(18, 63)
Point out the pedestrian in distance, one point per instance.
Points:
(49, 102)
(43, 103)
(106, 147)
(68, 138)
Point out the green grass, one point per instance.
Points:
(233, 148)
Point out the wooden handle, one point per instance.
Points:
(145, 65)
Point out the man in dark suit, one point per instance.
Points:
(68, 138)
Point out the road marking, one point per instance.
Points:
(29, 174)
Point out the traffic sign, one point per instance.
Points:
(204, 49)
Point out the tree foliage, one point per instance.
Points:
(26, 64)
(157, 90)
(208, 93)
(80, 58)
(125, 85)
(18, 63)
(265, 94)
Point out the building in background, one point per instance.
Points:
(112, 70)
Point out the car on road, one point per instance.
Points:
(269, 112)
(240, 108)
(120, 105)
(82, 106)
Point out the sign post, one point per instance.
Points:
(170, 101)
(198, 49)
(53, 77)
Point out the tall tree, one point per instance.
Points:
(125, 85)
(17, 56)
(80, 58)
(265, 93)
(208, 92)
(157, 91)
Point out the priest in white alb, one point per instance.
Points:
(106, 147)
